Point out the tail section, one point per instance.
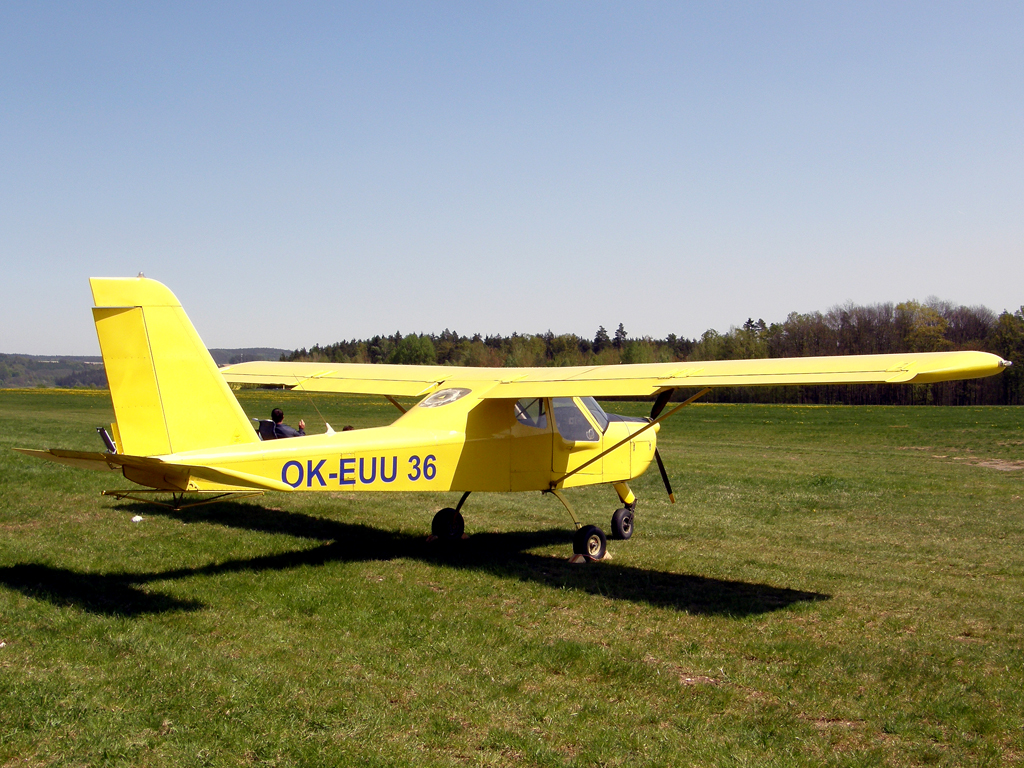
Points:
(168, 394)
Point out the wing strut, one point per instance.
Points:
(395, 403)
(622, 442)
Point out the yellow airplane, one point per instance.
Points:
(179, 428)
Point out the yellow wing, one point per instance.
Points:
(621, 380)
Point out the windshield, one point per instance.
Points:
(597, 412)
(570, 422)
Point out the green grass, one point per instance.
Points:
(836, 586)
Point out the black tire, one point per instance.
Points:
(448, 525)
(622, 523)
(590, 542)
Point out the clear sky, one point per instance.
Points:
(303, 173)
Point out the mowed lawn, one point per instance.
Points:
(835, 586)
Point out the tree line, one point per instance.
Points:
(848, 329)
(38, 371)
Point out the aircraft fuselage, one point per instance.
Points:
(486, 448)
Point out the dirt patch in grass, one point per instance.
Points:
(26, 526)
(699, 680)
(685, 678)
(1003, 465)
(824, 723)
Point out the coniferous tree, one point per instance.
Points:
(620, 337)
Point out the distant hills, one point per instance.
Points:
(247, 355)
(32, 371)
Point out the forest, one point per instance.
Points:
(849, 329)
(87, 372)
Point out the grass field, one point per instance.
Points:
(836, 586)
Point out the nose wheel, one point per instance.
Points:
(622, 523)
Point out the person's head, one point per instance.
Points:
(277, 415)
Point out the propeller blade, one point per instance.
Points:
(664, 476)
(660, 403)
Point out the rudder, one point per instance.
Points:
(168, 395)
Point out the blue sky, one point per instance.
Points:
(305, 173)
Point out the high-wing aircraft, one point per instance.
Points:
(179, 429)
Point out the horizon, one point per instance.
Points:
(930, 302)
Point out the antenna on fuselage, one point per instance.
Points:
(330, 429)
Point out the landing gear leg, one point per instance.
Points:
(557, 493)
(622, 520)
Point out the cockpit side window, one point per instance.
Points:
(532, 413)
(572, 425)
(597, 412)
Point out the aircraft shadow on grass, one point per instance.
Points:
(502, 554)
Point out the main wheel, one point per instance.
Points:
(622, 523)
(448, 524)
(590, 541)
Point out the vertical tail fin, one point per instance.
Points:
(168, 394)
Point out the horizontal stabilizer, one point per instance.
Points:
(156, 473)
(80, 459)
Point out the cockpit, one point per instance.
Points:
(570, 420)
